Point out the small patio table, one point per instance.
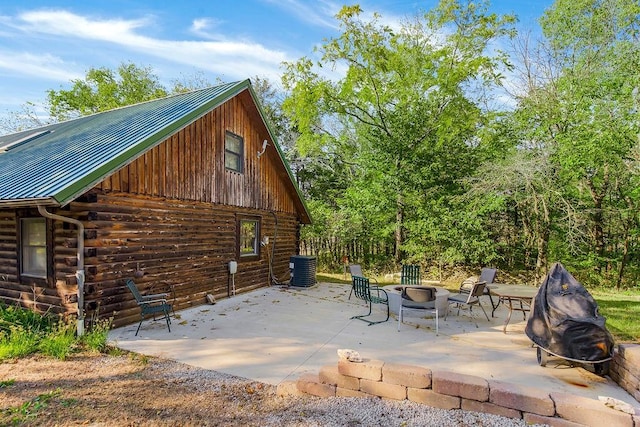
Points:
(508, 294)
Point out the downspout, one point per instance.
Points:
(80, 263)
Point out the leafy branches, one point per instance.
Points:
(103, 89)
(407, 120)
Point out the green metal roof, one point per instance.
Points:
(54, 164)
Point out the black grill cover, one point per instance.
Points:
(564, 320)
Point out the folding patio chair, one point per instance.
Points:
(488, 276)
(468, 300)
(150, 304)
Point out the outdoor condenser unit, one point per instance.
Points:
(303, 270)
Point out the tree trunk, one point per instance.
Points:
(597, 195)
(542, 237)
(399, 231)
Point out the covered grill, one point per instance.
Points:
(564, 322)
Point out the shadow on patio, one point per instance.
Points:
(276, 334)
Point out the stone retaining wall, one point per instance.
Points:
(449, 390)
(625, 368)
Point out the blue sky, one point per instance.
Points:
(45, 44)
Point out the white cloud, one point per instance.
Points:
(200, 24)
(202, 27)
(234, 59)
(319, 13)
(63, 23)
(43, 66)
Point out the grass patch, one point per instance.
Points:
(342, 278)
(24, 332)
(60, 342)
(96, 338)
(29, 410)
(333, 278)
(18, 343)
(7, 383)
(622, 311)
(14, 317)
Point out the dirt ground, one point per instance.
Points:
(134, 390)
(128, 390)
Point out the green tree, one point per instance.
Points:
(574, 131)
(405, 111)
(101, 89)
(105, 89)
(595, 45)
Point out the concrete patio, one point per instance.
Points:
(277, 334)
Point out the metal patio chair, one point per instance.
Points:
(356, 270)
(463, 300)
(488, 276)
(410, 275)
(150, 305)
(418, 298)
(371, 295)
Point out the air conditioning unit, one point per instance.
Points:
(303, 270)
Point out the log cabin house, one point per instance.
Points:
(167, 192)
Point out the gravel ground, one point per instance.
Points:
(311, 411)
(135, 390)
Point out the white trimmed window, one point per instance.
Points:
(33, 233)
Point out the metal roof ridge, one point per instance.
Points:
(23, 140)
(122, 107)
(72, 189)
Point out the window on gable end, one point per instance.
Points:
(233, 152)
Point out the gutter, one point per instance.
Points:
(80, 264)
(20, 203)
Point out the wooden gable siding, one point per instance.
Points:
(190, 165)
(181, 247)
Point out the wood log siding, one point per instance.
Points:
(190, 165)
(171, 213)
(183, 247)
(31, 293)
(8, 250)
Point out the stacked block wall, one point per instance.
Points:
(625, 368)
(449, 390)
